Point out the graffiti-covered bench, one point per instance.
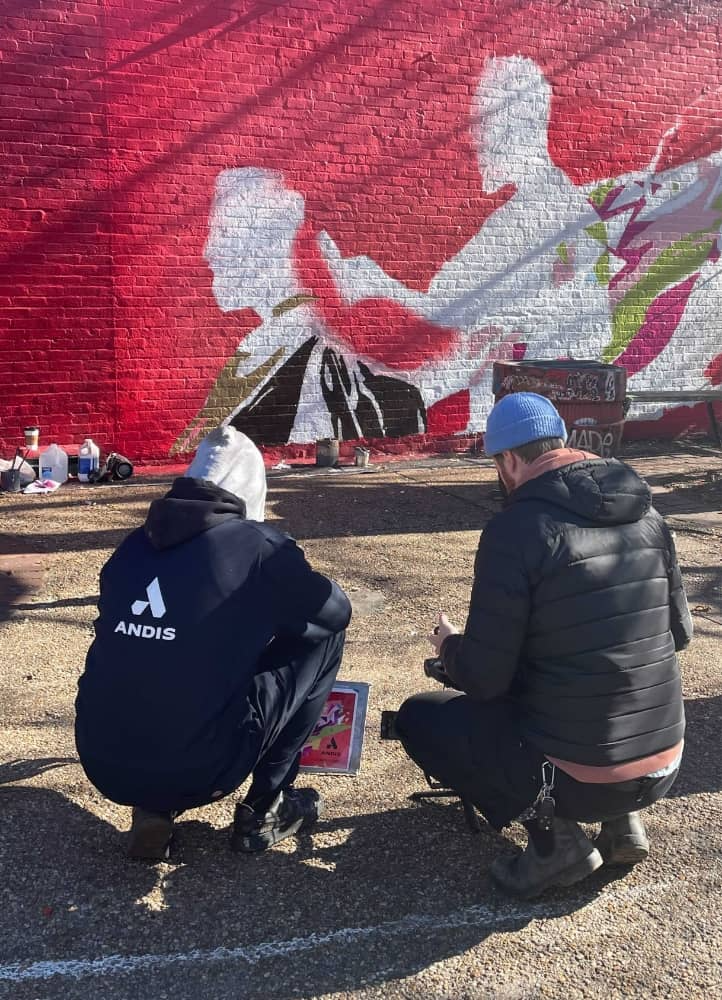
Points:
(708, 396)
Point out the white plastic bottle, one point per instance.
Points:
(88, 459)
(53, 464)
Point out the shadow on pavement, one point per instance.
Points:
(356, 507)
(693, 492)
(22, 769)
(704, 590)
(360, 899)
(66, 602)
(700, 769)
(79, 497)
(65, 887)
(21, 576)
(63, 541)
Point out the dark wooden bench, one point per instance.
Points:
(707, 396)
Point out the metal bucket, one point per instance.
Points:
(10, 480)
(327, 452)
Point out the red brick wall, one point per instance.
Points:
(117, 118)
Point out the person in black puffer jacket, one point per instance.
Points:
(571, 704)
(215, 649)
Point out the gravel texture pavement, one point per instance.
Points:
(386, 897)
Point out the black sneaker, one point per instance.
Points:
(150, 835)
(295, 809)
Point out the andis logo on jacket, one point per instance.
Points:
(156, 604)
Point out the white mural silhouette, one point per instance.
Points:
(503, 286)
(289, 380)
(624, 269)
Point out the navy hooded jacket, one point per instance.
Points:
(188, 603)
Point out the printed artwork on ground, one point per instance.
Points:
(335, 745)
(621, 271)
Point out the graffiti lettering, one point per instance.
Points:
(601, 440)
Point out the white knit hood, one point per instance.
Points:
(231, 460)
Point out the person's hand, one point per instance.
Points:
(440, 632)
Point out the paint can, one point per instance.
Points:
(326, 452)
(10, 480)
(361, 456)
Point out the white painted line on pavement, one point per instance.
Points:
(471, 916)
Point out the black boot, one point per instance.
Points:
(623, 841)
(256, 830)
(150, 835)
(529, 874)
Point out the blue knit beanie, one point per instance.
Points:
(519, 418)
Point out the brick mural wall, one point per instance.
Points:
(315, 218)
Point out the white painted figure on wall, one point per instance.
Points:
(290, 379)
(528, 275)
(626, 269)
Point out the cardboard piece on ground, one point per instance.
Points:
(335, 745)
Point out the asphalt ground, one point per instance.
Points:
(386, 897)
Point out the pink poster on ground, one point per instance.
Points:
(337, 739)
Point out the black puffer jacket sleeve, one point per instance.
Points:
(680, 620)
(483, 660)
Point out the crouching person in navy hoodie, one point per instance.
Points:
(215, 648)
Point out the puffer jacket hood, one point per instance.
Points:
(191, 507)
(603, 491)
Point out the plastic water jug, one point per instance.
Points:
(88, 459)
(53, 464)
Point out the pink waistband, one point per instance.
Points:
(619, 772)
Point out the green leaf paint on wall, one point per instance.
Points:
(597, 231)
(601, 270)
(673, 264)
(599, 194)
